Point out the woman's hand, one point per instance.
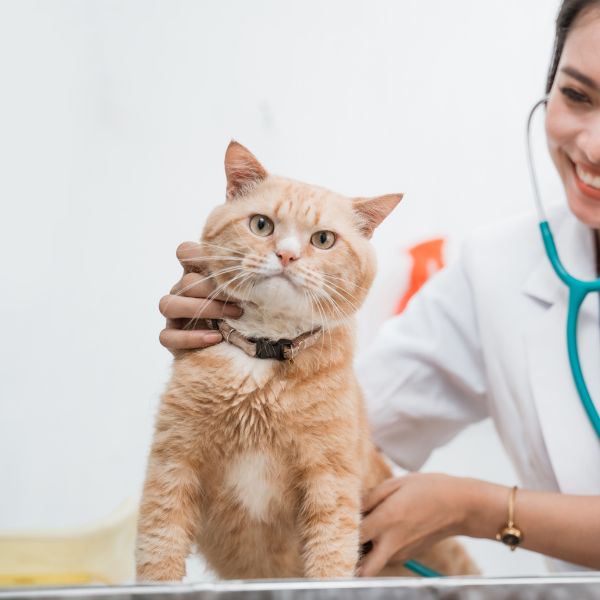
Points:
(407, 515)
(189, 301)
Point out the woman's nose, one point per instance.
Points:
(589, 142)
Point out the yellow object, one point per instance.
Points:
(101, 552)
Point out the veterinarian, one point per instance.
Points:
(486, 338)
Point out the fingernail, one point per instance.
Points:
(213, 338)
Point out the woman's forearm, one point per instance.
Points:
(558, 525)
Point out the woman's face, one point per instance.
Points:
(573, 118)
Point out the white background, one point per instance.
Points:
(114, 118)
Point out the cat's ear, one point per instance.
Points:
(372, 211)
(242, 169)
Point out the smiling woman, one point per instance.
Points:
(573, 112)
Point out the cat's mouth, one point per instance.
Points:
(273, 290)
(283, 275)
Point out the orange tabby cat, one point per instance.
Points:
(261, 463)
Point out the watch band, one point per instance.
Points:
(511, 534)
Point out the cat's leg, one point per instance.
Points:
(170, 507)
(329, 520)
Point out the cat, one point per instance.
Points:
(261, 463)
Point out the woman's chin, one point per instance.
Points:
(583, 200)
(587, 210)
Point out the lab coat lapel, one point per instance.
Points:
(572, 444)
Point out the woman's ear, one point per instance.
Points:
(372, 211)
(242, 169)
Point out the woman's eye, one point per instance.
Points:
(574, 95)
(323, 239)
(261, 225)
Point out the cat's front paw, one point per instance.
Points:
(330, 571)
(163, 572)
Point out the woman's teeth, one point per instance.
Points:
(588, 178)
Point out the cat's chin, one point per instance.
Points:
(275, 320)
(279, 292)
(271, 326)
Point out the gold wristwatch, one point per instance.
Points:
(510, 534)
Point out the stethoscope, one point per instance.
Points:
(578, 289)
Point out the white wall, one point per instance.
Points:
(114, 117)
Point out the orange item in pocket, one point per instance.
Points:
(427, 259)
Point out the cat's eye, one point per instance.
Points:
(261, 225)
(323, 239)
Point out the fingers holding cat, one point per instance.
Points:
(191, 300)
(407, 515)
(188, 302)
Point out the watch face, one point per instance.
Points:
(511, 539)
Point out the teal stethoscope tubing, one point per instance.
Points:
(578, 289)
(419, 569)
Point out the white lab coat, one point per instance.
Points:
(486, 337)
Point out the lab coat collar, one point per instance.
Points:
(575, 244)
(572, 445)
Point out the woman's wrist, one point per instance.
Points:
(484, 508)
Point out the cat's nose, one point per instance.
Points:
(286, 256)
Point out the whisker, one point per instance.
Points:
(243, 282)
(209, 257)
(222, 247)
(335, 290)
(202, 280)
(208, 299)
(312, 310)
(212, 275)
(326, 330)
(310, 275)
(342, 316)
(314, 302)
(249, 272)
(330, 339)
(311, 279)
(339, 290)
(355, 285)
(225, 284)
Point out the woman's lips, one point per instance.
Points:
(587, 181)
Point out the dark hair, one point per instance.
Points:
(569, 10)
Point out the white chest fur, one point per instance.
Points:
(253, 479)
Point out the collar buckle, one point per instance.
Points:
(266, 348)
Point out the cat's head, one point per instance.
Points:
(290, 250)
